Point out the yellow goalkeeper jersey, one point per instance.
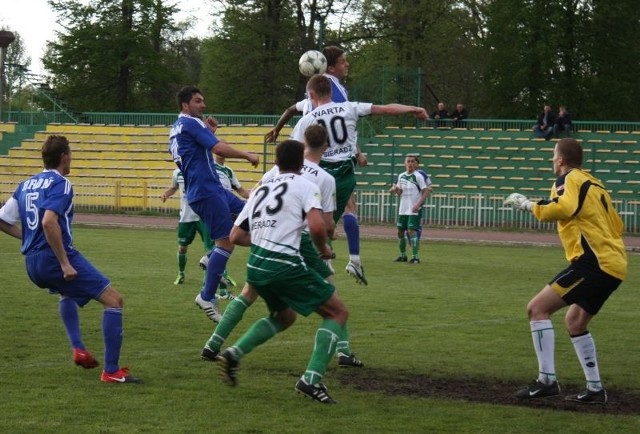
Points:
(589, 227)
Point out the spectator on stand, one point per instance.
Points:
(459, 115)
(545, 125)
(563, 123)
(441, 114)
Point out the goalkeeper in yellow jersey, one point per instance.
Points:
(590, 230)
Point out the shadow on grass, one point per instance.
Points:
(392, 382)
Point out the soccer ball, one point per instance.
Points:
(312, 62)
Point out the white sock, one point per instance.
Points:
(355, 259)
(544, 344)
(586, 351)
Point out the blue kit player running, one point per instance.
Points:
(43, 204)
(191, 144)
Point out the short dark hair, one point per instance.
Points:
(185, 94)
(53, 149)
(290, 156)
(571, 150)
(315, 136)
(332, 53)
(320, 85)
(414, 156)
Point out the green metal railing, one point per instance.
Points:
(166, 119)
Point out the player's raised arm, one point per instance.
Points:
(400, 109)
(290, 112)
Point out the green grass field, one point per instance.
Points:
(429, 335)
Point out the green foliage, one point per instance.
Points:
(251, 65)
(501, 58)
(460, 314)
(114, 55)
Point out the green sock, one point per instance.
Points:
(343, 344)
(182, 262)
(402, 243)
(414, 246)
(232, 316)
(259, 333)
(325, 346)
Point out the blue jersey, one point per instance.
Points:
(190, 144)
(338, 91)
(426, 177)
(48, 190)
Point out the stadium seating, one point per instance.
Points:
(130, 160)
(123, 157)
(496, 161)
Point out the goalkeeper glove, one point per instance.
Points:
(518, 201)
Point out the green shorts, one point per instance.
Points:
(343, 172)
(286, 281)
(408, 222)
(312, 256)
(187, 233)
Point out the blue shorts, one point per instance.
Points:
(44, 270)
(216, 212)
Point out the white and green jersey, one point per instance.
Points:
(314, 173)
(187, 215)
(228, 178)
(340, 120)
(412, 185)
(276, 214)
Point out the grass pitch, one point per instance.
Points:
(446, 343)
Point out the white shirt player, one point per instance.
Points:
(228, 177)
(412, 185)
(187, 215)
(340, 120)
(276, 211)
(314, 173)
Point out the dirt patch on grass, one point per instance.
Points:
(621, 402)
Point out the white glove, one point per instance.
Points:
(518, 201)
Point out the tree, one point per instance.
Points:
(611, 65)
(115, 55)
(16, 65)
(247, 64)
(437, 38)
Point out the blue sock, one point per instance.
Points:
(69, 314)
(217, 264)
(419, 233)
(352, 230)
(112, 334)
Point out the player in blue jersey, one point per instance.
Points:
(191, 144)
(43, 205)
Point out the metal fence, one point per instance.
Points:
(41, 118)
(469, 210)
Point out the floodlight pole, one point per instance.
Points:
(6, 38)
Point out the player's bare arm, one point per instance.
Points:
(318, 232)
(272, 135)
(168, 193)
(12, 230)
(400, 109)
(423, 196)
(53, 234)
(240, 237)
(212, 124)
(224, 149)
